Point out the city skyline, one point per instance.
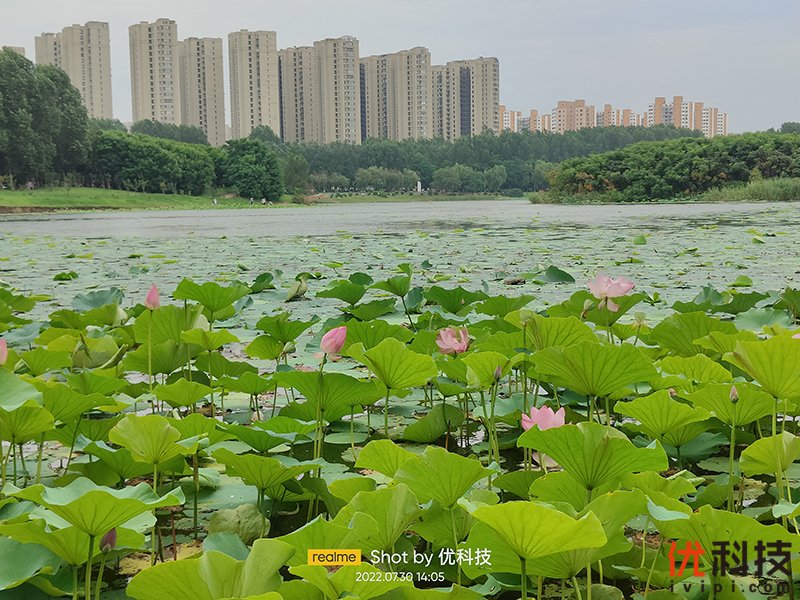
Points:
(731, 54)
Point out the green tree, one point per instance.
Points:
(178, 133)
(790, 127)
(108, 125)
(252, 168)
(295, 173)
(43, 125)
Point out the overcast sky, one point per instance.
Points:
(740, 55)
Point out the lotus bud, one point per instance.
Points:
(3, 352)
(108, 541)
(498, 373)
(289, 348)
(333, 341)
(734, 395)
(151, 301)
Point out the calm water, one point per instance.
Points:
(386, 217)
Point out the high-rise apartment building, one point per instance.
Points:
(48, 49)
(572, 116)
(338, 90)
(84, 53)
(396, 95)
(18, 49)
(617, 117)
(203, 86)
(155, 73)
(511, 120)
(539, 121)
(466, 98)
(687, 114)
(298, 80)
(254, 81)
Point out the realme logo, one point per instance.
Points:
(333, 558)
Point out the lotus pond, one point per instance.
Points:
(282, 392)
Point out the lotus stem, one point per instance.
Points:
(39, 458)
(88, 584)
(523, 569)
(408, 315)
(730, 467)
(74, 582)
(539, 584)
(99, 577)
(196, 478)
(150, 358)
(577, 588)
(652, 568)
(352, 433)
(386, 415)
(455, 539)
(154, 532)
(589, 581)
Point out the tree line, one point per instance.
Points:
(46, 138)
(679, 168)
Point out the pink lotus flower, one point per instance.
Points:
(544, 417)
(151, 301)
(452, 340)
(604, 288)
(108, 541)
(734, 395)
(3, 352)
(333, 341)
(796, 336)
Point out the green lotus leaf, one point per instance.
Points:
(248, 383)
(650, 481)
(119, 460)
(613, 510)
(217, 365)
(182, 393)
(91, 382)
(265, 347)
(70, 544)
(196, 425)
(166, 324)
(757, 319)
(710, 526)
(338, 493)
(25, 423)
(317, 534)
(483, 366)
(367, 311)
(287, 428)
(396, 366)
(436, 523)
(576, 306)
(335, 393)
(257, 438)
(439, 420)
(64, 403)
(561, 487)
(453, 300)
(263, 472)
(150, 438)
(41, 360)
(517, 482)
(593, 369)
(500, 306)
(397, 285)
(772, 363)
(349, 581)
(383, 456)
(752, 405)
(208, 340)
(16, 391)
(216, 576)
(521, 530)
(283, 329)
(372, 333)
(455, 475)
(770, 455)
(384, 513)
(212, 296)
(163, 358)
(677, 333)
(696, 370)
(96, 509)
(96, 299)
(22, 561)
(344, 290)
(92, 353)
(548, 332)
(664, 418)
(594, 455)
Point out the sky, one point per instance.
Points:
(742, 56)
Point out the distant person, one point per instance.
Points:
(214, 201)
(263, 201)
(251, 202)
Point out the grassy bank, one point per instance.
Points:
(779, 189)
(100, 199)
(58, 199)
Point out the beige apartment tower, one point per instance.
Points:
(155, 77)
(203, 86)
(298, 81)
(466, 98)
(84, 53)
(572, 115)
(396, 95)
(338, 90)
(254, 82)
